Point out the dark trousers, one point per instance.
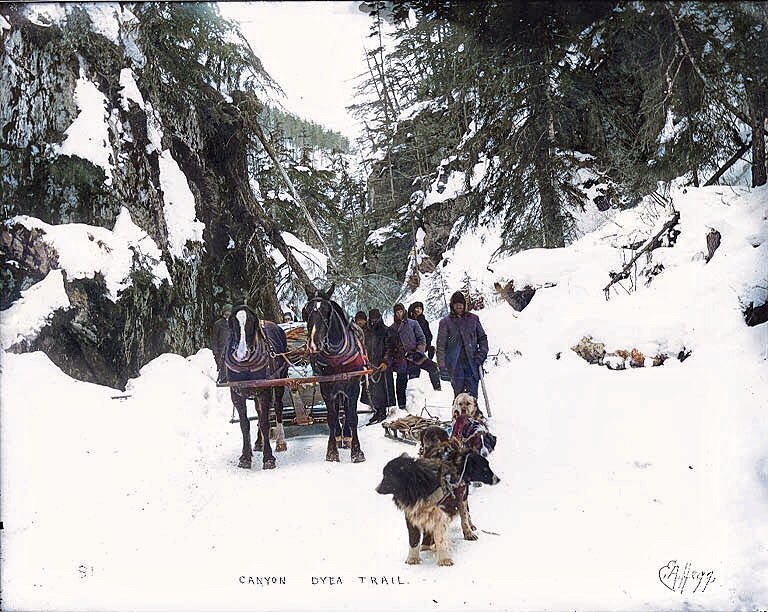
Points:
(220, 369)
(465, 379)
(381, 391)
(401, 384)
(433, 371)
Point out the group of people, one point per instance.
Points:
(399, 352)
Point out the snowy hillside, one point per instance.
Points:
(610, 480)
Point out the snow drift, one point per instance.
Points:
(610, 480)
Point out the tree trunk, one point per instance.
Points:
(731, 160)
(552, 220)
(757, 105)
(273, 156)
(275, 237)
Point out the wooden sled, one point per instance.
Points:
(408, 429)
(304, 405)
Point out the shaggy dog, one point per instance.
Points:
(466, 404)
(437, 445)
(429, 438)
(470, 426)
(424, 491)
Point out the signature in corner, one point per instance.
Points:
(678, 579)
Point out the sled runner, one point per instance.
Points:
(408, 429)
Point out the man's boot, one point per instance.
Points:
(377, 417)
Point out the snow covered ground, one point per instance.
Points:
(614, 485)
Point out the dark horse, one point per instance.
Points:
(251, 355)
(335, 347)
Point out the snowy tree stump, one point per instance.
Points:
(517, 299)
(755, 315)
(713, 242)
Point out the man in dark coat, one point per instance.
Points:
(409, 354)
(220, 338)
(381, 384)
(416, 312)
(462, 346)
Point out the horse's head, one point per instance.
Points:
(245, 331)
(320, 314)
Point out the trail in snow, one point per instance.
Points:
(606, 477)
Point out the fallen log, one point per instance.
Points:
(650, 244)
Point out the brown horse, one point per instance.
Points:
(335, 346)
(251, 355)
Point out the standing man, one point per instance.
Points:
(219, 340)
(462, 346)
(408, 354)
(416, 312)
(381, 385)
(361, 320)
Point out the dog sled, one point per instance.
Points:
(408, 429)
(302, 401)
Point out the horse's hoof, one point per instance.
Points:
(269, 464)
(245, 463)
(358, 457)
(332, 457)
(281, 447)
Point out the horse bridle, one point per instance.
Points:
(346, 347)
(255, 359)
(325, 346)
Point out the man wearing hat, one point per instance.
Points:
(408, 354)
(220, 338)
(462, 346)
(379, 341)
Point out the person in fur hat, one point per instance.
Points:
(462, 346)
(416, 312)
(219, 340)
(409, 355)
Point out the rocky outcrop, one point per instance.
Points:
(620, 359)
(47, 71)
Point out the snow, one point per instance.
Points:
(606, 477)
(45, 14)
(4, 25)
(454, 185)
(88, 136)
(104, 19)
(154, 129)
(85, 250)
(129, 90)
(179, 208)
(314, 263)
(381, 234)
(30, 313)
